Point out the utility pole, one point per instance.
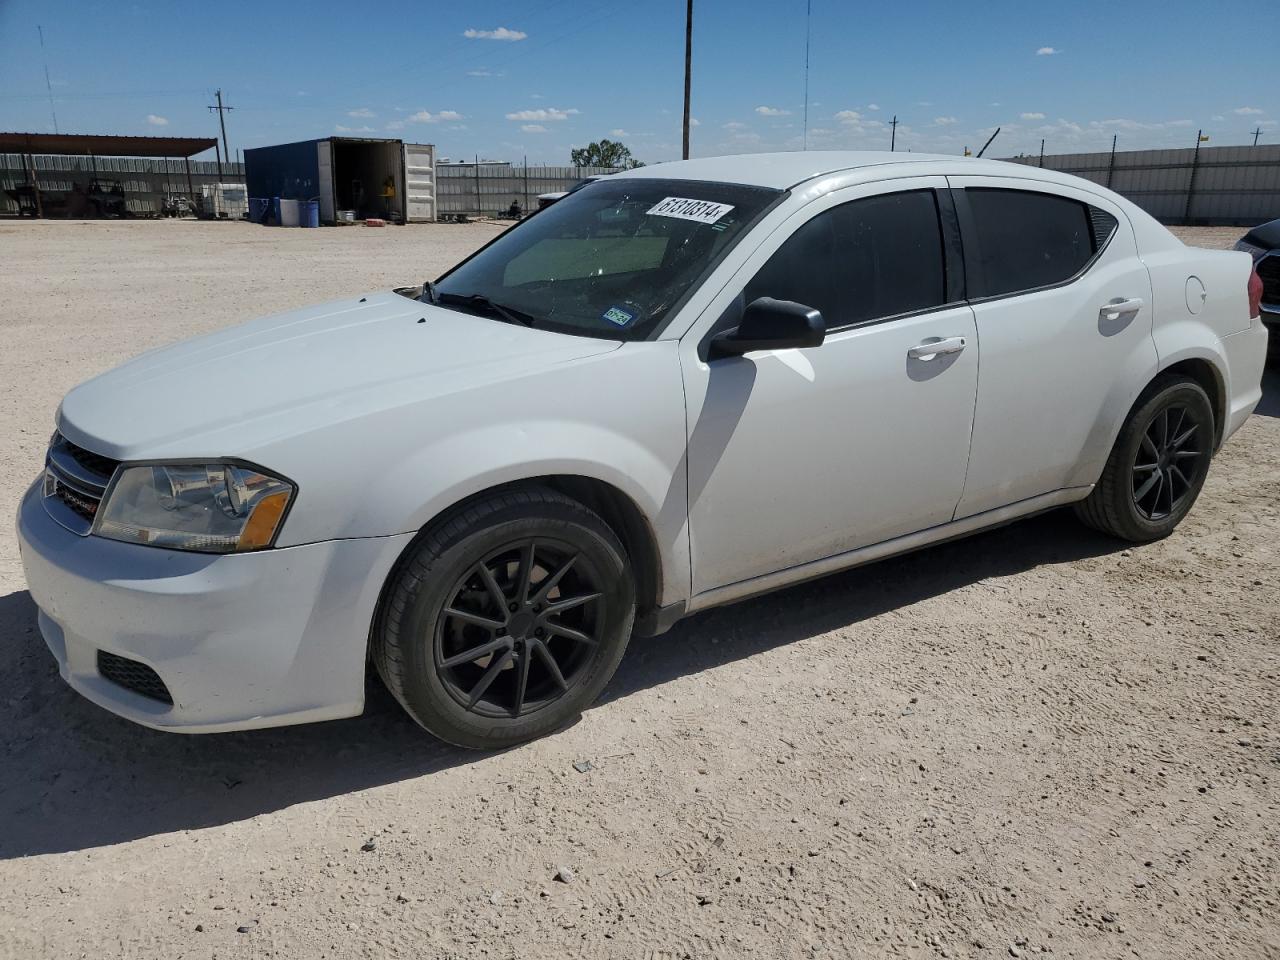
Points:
(222, 114)
(1042, 151)
(1191, 181)
(893, 133)
(1256, 134)
(1111, 167)
(688, 71)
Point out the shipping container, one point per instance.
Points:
(387, 179)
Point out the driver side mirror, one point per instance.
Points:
(769, 324)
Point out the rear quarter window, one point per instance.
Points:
(1027, 240)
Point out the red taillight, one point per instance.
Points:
(1255, 294)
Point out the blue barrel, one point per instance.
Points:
(308, 213)
(258, 208)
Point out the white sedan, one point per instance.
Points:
(677, 387)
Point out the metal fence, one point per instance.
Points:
(489, 189)
(145, 182)
(1212, 185)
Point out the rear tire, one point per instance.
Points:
(506, 619)
(1158, 464)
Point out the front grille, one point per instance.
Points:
(75, 481)
(93, 462)
(1269, 274)
(134, 676)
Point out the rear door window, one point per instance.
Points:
(1027, 240)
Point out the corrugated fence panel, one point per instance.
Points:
(493, 187)
(144, 181)
(1239, 185)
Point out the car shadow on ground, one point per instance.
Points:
(73, 776)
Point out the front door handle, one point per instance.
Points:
(1117, 308)
(936, 348)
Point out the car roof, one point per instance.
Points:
(781, 171)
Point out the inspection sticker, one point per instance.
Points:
(618, 316)
(682, 208)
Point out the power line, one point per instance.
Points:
(808, 15)
(47, 84)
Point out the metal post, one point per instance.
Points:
(893, 133)
(526, 185)
(218, 156)
(1042, 151)
(1191, 181)
(688, 71)
(479, 208)
(1112, 165)
(191, 191)
(35, 186)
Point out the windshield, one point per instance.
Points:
(613, 259)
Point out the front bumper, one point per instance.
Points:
(240, 641)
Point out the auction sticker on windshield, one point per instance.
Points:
(682, 208)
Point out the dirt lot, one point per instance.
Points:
(1032, 741)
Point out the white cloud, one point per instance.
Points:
(533, 128)
(479, 73)
(848, 116)
(550, 113)
(1032, 116)
(157, 121)
(395, 125)
(735, 125)
(695, 122)
(873, 106)
(1248, 111)
(619, 133)
(426, 116)
(502, 33)
(339, 128)
(1047, 52)
(772, 112)
(945, 121)
(361, 113)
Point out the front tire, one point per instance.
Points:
(506, 620)
(1158, 464)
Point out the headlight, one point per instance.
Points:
(205, 507)
(1251, 249)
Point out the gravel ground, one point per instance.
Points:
(1031, 741)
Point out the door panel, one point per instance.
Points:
(797, 455)
(419, 182)
(1059, 370)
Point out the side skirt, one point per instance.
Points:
(663, 619)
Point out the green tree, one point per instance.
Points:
(604, 153)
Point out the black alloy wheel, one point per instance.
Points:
(1169, 455)
(519, 628)
(1158, 464)
(505, 618)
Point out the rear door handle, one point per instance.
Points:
(936, 348)
(1119, 307)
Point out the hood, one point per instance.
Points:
(1266, 235)
(230, 392)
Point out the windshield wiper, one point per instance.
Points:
(478, 301)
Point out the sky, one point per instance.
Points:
(535, 79)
